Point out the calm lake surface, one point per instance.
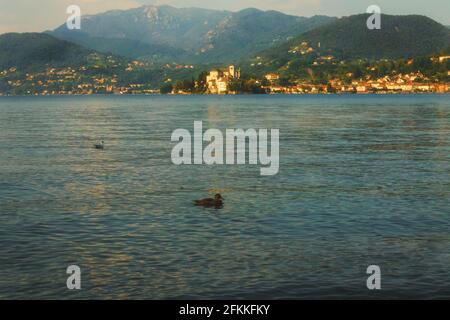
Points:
(364, 180)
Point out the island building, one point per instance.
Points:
(218, 81)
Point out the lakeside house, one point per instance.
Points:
(272, 77)
(218, 81)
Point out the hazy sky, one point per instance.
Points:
(40, 15)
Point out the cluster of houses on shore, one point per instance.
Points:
(218, 82)
(361, 88)
(401, 83)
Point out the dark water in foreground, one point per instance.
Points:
(363, 180)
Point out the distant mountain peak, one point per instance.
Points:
(251, 10)
(152, 12)
(202, 35)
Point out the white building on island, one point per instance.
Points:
(218, 80)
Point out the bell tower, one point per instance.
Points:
(232, 71)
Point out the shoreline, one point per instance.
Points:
(227, 95)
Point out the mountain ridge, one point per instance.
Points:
(36, 50)
(200, 35)
(400, 36)
(346, 38)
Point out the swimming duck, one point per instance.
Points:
(217, 202)
(100, 146)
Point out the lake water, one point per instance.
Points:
(364, 180)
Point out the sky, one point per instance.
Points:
(41, 15)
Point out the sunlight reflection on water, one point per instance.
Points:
(363, 180)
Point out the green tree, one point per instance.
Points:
(166, 88)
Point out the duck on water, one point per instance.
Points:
(216, 202)
(100, 146)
